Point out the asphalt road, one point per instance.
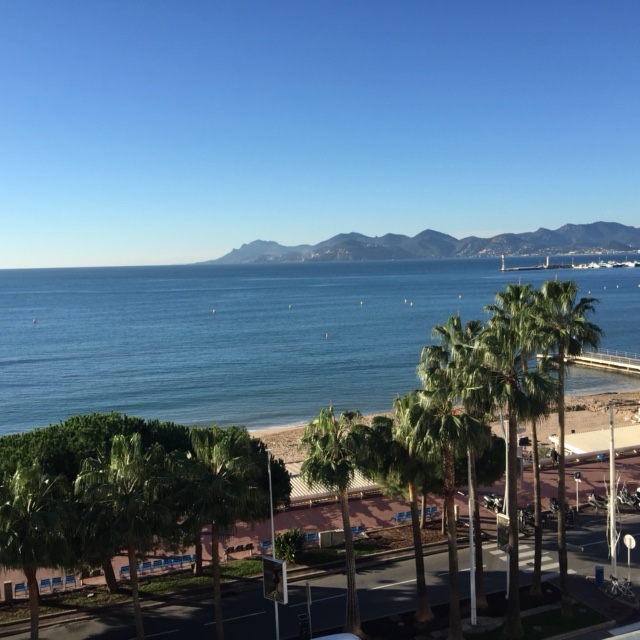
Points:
(383, 589)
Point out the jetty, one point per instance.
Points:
(537, 267)
(607, 359)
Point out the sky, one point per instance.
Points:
(169, 132)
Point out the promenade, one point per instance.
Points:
(377, 511)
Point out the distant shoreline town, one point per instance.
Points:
(598, 238)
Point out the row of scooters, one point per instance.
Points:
(623, 498)
(526, 515)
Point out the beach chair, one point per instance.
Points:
(399, 517)
(312, 538)
(157, 566)
(45, 585)
(125, 572)
(147, 567)
(249, 547)
(21, 589)
(56, 584)
(70, 582)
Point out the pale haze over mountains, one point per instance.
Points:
(597, 237)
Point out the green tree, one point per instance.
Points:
(398, 461)
(567, 330)
(127, 503)
(333, 448)
(227, 483)
(520, 302)
(31, 527)
(445, 372)
(505, 347)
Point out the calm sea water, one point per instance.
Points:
(257, 345)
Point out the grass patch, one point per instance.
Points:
(88, 598)
(548, 624)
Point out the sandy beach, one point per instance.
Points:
(583, 413)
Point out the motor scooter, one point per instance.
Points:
(597, 501)
(629, 499)
(554, 506)
(493, 502)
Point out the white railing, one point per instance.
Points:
(609, 355)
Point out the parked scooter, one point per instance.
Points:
(597, 501)
(494, 502)
(631, 500)
(569, 515)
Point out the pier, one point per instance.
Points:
(606, 359)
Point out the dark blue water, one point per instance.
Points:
(284, 340)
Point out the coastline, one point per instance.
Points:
(582, 413)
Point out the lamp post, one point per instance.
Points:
(613, 539)
(273, 537)
(472, 560)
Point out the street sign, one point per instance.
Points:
(502, 522)
(577, 476)
(274, 576)
(629, 541)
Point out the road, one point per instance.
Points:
(383, 589)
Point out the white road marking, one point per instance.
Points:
(393, 584)
(249, 615)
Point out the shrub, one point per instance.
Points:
(289, 544)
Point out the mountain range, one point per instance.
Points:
(596, 237)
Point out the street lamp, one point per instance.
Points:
(273, 537)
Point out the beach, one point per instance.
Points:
(582, 413)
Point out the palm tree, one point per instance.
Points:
(404, 465)
(31, 527)
(444, 371)
(506, 346)
(567, 331)
(334, 446)
(520, 303)
(126, 503)
(227, 489)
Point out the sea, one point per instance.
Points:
(259, 345)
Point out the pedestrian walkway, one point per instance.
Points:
(526, 552)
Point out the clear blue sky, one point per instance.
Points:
(157, 132)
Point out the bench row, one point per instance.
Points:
(402, 516)
(47, 585)
(154, 566)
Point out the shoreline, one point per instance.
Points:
(582, 413)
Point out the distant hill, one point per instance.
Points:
(597, 237)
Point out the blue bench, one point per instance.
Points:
(312, 538)
(430, 512)
(45, 585)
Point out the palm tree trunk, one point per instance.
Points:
(352, 620)
(536, 582)
(197, 543)
(455, 621)
(110, 577)
(513, 626)
(34, 605)
(215, 569)
(423, 610)
(423, 514)
(567, 610)
(137, 611)
(481, 598)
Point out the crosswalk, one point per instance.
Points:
(550, 566)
